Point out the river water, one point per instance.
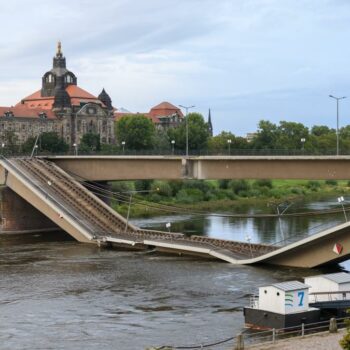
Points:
(58, 294)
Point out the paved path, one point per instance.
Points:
(323, 341)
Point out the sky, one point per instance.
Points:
(247, 60)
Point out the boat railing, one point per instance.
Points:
(254, 301)
(315, 297)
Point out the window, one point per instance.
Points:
(69, 79)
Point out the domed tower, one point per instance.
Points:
(105, 99)
(58, 77)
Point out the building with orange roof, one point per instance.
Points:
(60, 106)
(164, 115)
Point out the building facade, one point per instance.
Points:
(60, 106)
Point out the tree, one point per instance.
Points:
(320, 130)
(266, 135)
(138, 132)
(198, 134)
(219, 143)
(48, 142)
(289, 135)
(90, 142)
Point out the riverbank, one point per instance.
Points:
(197, 197)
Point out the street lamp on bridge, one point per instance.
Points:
(186, 108)
(337, 99)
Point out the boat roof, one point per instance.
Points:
(338, 277)
(290, 285)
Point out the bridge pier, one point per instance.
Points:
(17, 215)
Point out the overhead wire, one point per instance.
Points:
(108, 194)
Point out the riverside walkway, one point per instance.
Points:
(88, 219)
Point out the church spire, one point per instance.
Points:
(59, 49)
(210, 125)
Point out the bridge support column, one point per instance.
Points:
(17, 215)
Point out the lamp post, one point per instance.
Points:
(123, 145)
(186, 108)
(172, 146)
(341, 201)
(229, 141)
(302, 140)
(75, 149)
(337, 99)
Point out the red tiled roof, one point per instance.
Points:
(22, 111)
(165, 109)
(76, 94)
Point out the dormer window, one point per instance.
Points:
(49, 78)
(69, 79)
(8, 114)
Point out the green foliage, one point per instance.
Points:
(143, 185)
(313, 185)
(240, 187)
(122, 187)
(162, 188)
(90, 142)
(190, 195)
(137, 131)
(48, 142)
(263, 183)
(223, 184)
(345, 341)
(197, 133)
(219, 143)
(331, 182)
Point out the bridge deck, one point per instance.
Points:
(83, 215)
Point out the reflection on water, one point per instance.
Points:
(259, 230)
(59, 294)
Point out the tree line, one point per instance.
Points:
(139, 133)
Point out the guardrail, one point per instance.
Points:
(275, 335)
(8, 152)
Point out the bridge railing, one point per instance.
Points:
(117, 151)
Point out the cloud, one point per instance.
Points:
(251, 58)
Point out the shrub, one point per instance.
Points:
(313, 185)
(223, 184)
(122, 186)
(263, 183)
(176, 186)
(297, 190)
(238, 186)
(190, 195)
(331, 182)
(143, 185)
(162, 188)
(202, 185)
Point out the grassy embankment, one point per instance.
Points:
(234, 196)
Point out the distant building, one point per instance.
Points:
(250, 136)
(163, 115)
(60, 106)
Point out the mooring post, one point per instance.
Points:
(302, 329)
(273, 335)
(333, 327)
(239, 342)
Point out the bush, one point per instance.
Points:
(122, 186)
(263, 183)
(223, 184)
(143, 185)
(345, 341)
(297, 190)
(331, 182)
(238, 186)
(202, 185)
(176, 186)
(162, 188)
(190, 195)
(313, 185)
